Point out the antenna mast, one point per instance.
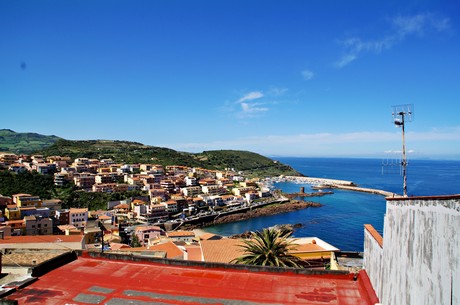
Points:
(401, 115)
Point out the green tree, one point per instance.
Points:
(269, 247)
(135, 241)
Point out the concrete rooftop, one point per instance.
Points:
(89, 280)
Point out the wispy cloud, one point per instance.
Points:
(251, 96)
(278, 91)
(345, 60)
(402, 27)
(249, 108)
(307, 74)
(351, 143)
(397, 152)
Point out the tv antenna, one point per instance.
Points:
(401, 115)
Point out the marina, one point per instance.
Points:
(326, 183)
(341, 218)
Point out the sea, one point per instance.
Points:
(340, 221)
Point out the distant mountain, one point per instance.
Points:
(24, 142)
(251, 163)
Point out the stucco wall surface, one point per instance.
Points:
(420, 259)
(373, 261)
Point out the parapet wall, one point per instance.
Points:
(373, 258)
(419, 262)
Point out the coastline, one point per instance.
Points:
(277, 208)
(291, 205)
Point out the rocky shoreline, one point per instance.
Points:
(290, 206)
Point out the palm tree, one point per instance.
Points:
(269, 248)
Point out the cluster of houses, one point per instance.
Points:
(170, 193)
(135, 225)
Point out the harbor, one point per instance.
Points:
(326, 183)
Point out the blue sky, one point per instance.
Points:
(280, 78)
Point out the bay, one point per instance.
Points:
(340, 221)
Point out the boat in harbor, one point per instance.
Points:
(320, 187)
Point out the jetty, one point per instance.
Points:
(326, 183)
(365, 190)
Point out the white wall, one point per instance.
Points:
(420, 259)
(373, 261)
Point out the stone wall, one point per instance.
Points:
(421, 247)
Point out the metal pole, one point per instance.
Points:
(404, 161)
(102, 248)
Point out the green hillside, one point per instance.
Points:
(131, 152)
(27, 142)
(252, 164)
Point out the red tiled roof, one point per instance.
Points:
(67, 227)
(193, 253)
(13, 221)
(148, 228)
(117, 246)
(75, 210)
(180, 233)
(212, 250)
(207, 236)
(97, 281)
(307, 248)
(172, 251)
(121, 206)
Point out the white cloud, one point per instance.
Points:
(251, 96)
(345, 60)
(278, 91)
(403, 26)
(307, 74)
(250, 109)
(419, 24)
(352, 143)
(398, 152)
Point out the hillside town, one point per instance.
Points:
(172, 198)
(145, 248)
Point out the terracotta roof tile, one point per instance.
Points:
(172, 251)
(180, 233)
(194, 253)
(212, 250)
(207, 236)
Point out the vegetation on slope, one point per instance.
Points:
(26, 183)
(18, 142)
(43, 186)
(250, 163)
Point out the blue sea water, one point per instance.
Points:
(341, 219)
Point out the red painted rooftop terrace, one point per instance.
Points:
(101, 279)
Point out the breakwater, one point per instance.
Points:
(365, 190)
(326, 183)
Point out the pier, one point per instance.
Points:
(326, 183)
(365, 190)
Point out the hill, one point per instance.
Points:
(252, 164)
(27, 142)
